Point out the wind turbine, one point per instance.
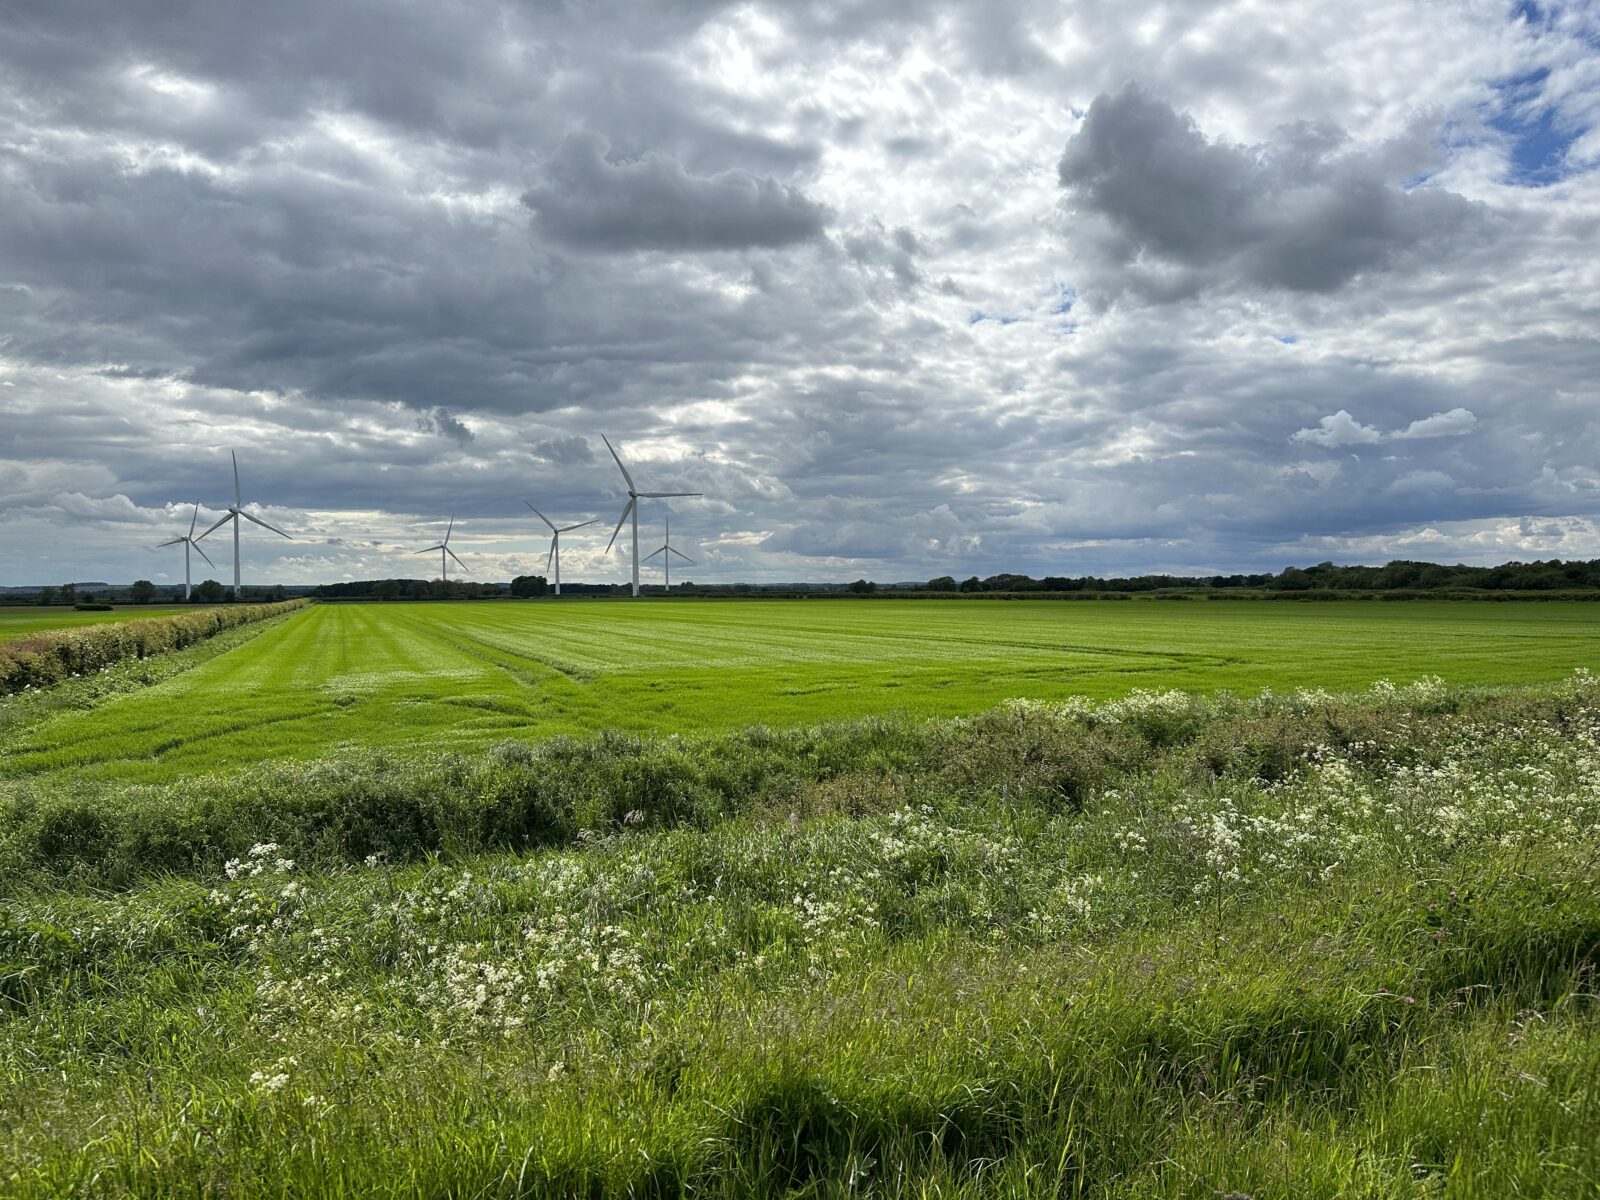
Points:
(235, 511)
(634, 496)
(444, 548)
(189, 542)
(667, 551)
(555, 541)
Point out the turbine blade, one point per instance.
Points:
(579, 525)
(264, 525)
(238, 500)
(666, 495)
(204, 555)
(429, 550)
(173, 542)
(540, 515)
(457, 557)
(194, 519)
(217, 526)
(628, 508)
(550, 558)
(631, 489)
(651, 555)
(448, 528)
(681, 555)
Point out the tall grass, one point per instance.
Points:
(42, 659)
(1302, 945)
(519, 796)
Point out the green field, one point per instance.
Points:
(20, 620)
(463, 675)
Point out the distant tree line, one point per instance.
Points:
(142, 591)
(430, 589)
(1402, 576)
(1399, 575)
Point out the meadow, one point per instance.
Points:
(439, 676)
(1306, 945)
(811, 899)
(18, 620)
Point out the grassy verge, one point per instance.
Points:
(25, 710)
(1295, 946)
(42, 659)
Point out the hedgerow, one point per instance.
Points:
(42, 659)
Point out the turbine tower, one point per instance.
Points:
(235, 511)
(555, 541)
(634, 496)
(189, 542)
(444, 548)
(666, 551)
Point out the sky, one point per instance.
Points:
(905, 289)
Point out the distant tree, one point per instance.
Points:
(141, 591)
(1292, 579)
(211, 592)
(972, 584)
(47, 595)
(945, 583)
(524, 586)
(69, 593)
(277, 593)
(1009, 583)
(862, 587)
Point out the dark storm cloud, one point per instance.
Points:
(1182, 213)
(591, 202)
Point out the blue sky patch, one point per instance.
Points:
(1540, 137)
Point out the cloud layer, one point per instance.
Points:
(904, 290)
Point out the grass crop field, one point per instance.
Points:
(20, 620)
(810, 899)
(463, 675)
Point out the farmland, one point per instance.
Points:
(20, 620)
(519, 900)
(459, 676)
